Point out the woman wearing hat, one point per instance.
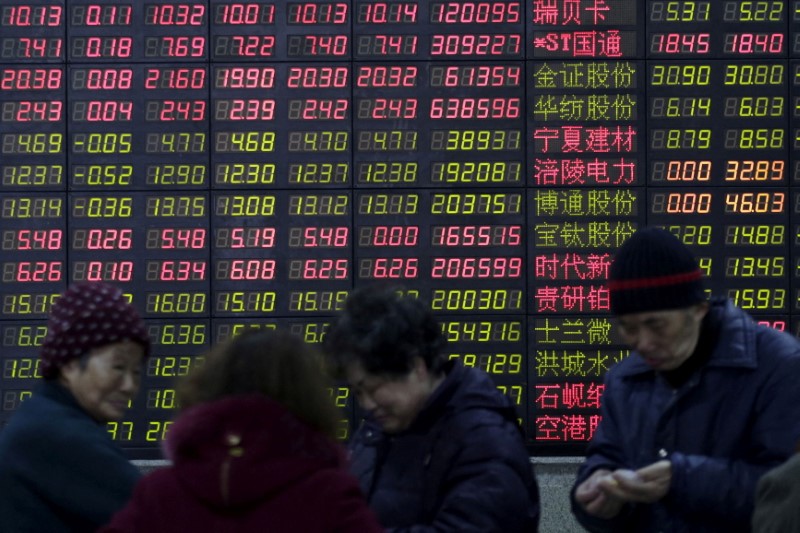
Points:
(59, 468)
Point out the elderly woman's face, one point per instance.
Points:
(105, 382)
(393, 402)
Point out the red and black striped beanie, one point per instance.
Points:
(654, 271)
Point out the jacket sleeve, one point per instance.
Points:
(723, 487)
(726, 487)
(484, 490)
(778, 499)
(88, 475)
(603, 452)
(126, 520)
(351, 514)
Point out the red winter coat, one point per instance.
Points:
(245, 464)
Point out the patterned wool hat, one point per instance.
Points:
(87, 316)
(654, 271)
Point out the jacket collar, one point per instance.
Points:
(734, 348)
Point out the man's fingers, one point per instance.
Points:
(655, 471)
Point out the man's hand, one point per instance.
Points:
(604, 493)
(595, 499)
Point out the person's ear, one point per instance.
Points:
(69, 371)
(702, 309)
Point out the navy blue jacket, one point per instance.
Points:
(735, 418)
(461, 465)
(59, 468)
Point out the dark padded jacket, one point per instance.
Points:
(778, 499)
(244, 464)
(735, 418)
(461, 465)
(59, 468)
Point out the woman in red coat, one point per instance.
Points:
(252, 450)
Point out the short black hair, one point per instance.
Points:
(384, 329)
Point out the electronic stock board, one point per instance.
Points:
(247, 164)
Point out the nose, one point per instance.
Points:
(366, 401)
(644, 341)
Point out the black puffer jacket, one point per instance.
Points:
(461, 466)
(733, 419)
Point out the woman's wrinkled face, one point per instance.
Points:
(664, 339)
(104, 382)
(393, 402)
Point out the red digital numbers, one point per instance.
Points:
(319, 269)
(476, 267)
(780, 325)
(244, 109)
(25, 16)
(32, 271)
(102, 111)
(176, 238)
(246, 237)
(102, 47)
(680, 43)
(388, 236)
(475, 108)
(387, 13)
(105, 79)
(477, 235)
(475, 12)
(28, 111)
(387, 45)
(175, 46)
(175, 78)
(318, 109)
(389, 268)
(324, 13)
(101, 15)
(383, 76)
(175, 14)
(35, 79)
(38, 48)
(245, 78)
(33, 239)
(318, 45)
(176, 270)
(102, 271)
(245, 45)
(240, 14)
(477, 76)
(318, 77)
(171, 110)
(754, 43)
(480, 45)
(319, 237)
(387, 108)
(102, 239)
(246, 269)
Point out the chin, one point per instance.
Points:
(391, 427)
(110, 415)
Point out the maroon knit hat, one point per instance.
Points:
(87, 316)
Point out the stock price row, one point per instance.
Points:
(219, 31)
(485, 124)
(287, 253)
